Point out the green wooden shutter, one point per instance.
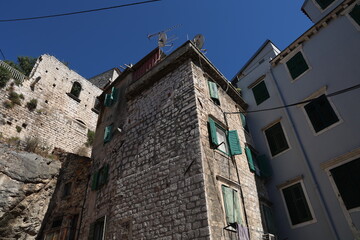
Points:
(243, 122)
(114, 94)
(95, 180)
(107, 102)
(234, 143)
(213, 136)
(250, 158)
(355, 14)
(297, 65)
(107, 134)
(228, 203)
(237, 210)
(265, 169)
(213, 91)
(91, 231)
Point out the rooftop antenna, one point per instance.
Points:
(199, 41)
(163, 40)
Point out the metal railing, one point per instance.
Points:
(17, 75)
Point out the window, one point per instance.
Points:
(67, 189)
(355, 14)
(226, 141)
(268, 219)
(97, 229)
(108, 134)
(214, 94)
(324, 3)
(297, 65)
(276, 139)
(76, 89)
(260, 92)
(111, 98)
(258, 164)
(244, 122)
(320, 113)
(100, 177)
(347, 180)
(232, 205)
(297, 204)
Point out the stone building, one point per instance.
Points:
(313, 147)
(169, 156)
(58, 107)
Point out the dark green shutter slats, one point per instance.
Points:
(213, 135)
(250, 158)
(95, 180)
(355, 14)
(228, 203)
(324, 3)
(297, 65)
(243, 122)
(234, 143)
(260, 92)
(107, 101)
(107, 134)
(265, 169)
(110, 98)
(214, 92)
(237, 210)
(114, 94)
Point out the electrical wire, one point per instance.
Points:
(299, 103)
(78, 12)
(2, 54)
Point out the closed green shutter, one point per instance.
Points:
(107, 102)
(114, 95)
(95, 180)
(250, 158)
(91, 231)
(234, 143)
(107, 134)
(213, 91)
(260, 92)
(237, 210)
(228, 203)
(265, 169)
(355, 14)
(213, 136)
(270, 225)
(297, 65)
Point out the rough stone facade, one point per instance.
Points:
(164, 179)
(60, 119)
(104, 79)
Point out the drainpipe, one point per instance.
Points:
(307, 161)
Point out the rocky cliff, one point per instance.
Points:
(27, 182)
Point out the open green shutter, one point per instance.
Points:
(114, 94)
(95, 180)
(213, 136)
(237, 210)
(107, 134)
(265, 169)
(234, 143)
(213, 90)
(107, 102)
(228, 203)
(250, 158)
(243, 120)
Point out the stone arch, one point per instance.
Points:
(76, 89)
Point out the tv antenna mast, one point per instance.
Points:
(163, 40)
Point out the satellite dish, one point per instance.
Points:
(199, 41)
(162, 39)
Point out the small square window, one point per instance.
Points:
(355, 14)
(260, 92)
(276, 139)
(297, 204)
(347, 180)
(297, 65)
(320, 113)
(324, 3)
(232, 205)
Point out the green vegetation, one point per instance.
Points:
(24, 64)
(18, 129)
(90, 138)
(15, 98)
(4, 77)
(8, 104)
(32, 104)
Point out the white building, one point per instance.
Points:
(313, 147)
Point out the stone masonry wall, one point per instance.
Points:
(156, 182)
(59, 120)
(219, 168)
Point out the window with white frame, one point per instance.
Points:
(297, 204)
(297, 65)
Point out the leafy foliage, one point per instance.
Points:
(32, 104)
(4, 77)
(15, 98)
(24, 64)
(90, 138)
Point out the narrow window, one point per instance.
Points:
(320, 113)
(97, 229)
(296, 203)
(297, 65)
(324, 3)
(100, 177)
(260, 92)
(67, 189)
(232, 205)
(347, 180)
(355, 14)
(107, 134)
(268, 219)
(276, 139)
(214, 95)
(76, 89)
(244, 122)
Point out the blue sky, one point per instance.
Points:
(95, 42)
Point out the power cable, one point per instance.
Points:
(78, 12)
(2, 54)
(302, 102)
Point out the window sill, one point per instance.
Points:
(95, 110)
(73, 97)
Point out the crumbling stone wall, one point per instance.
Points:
(60, 119)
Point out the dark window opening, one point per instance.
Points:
(276, 139)
(67, 189)
(324, 3)
(297, 65)
(260, 92)
(355, 14)
(76, 89)
(97, 229)
(56, 223)
(347, 180)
